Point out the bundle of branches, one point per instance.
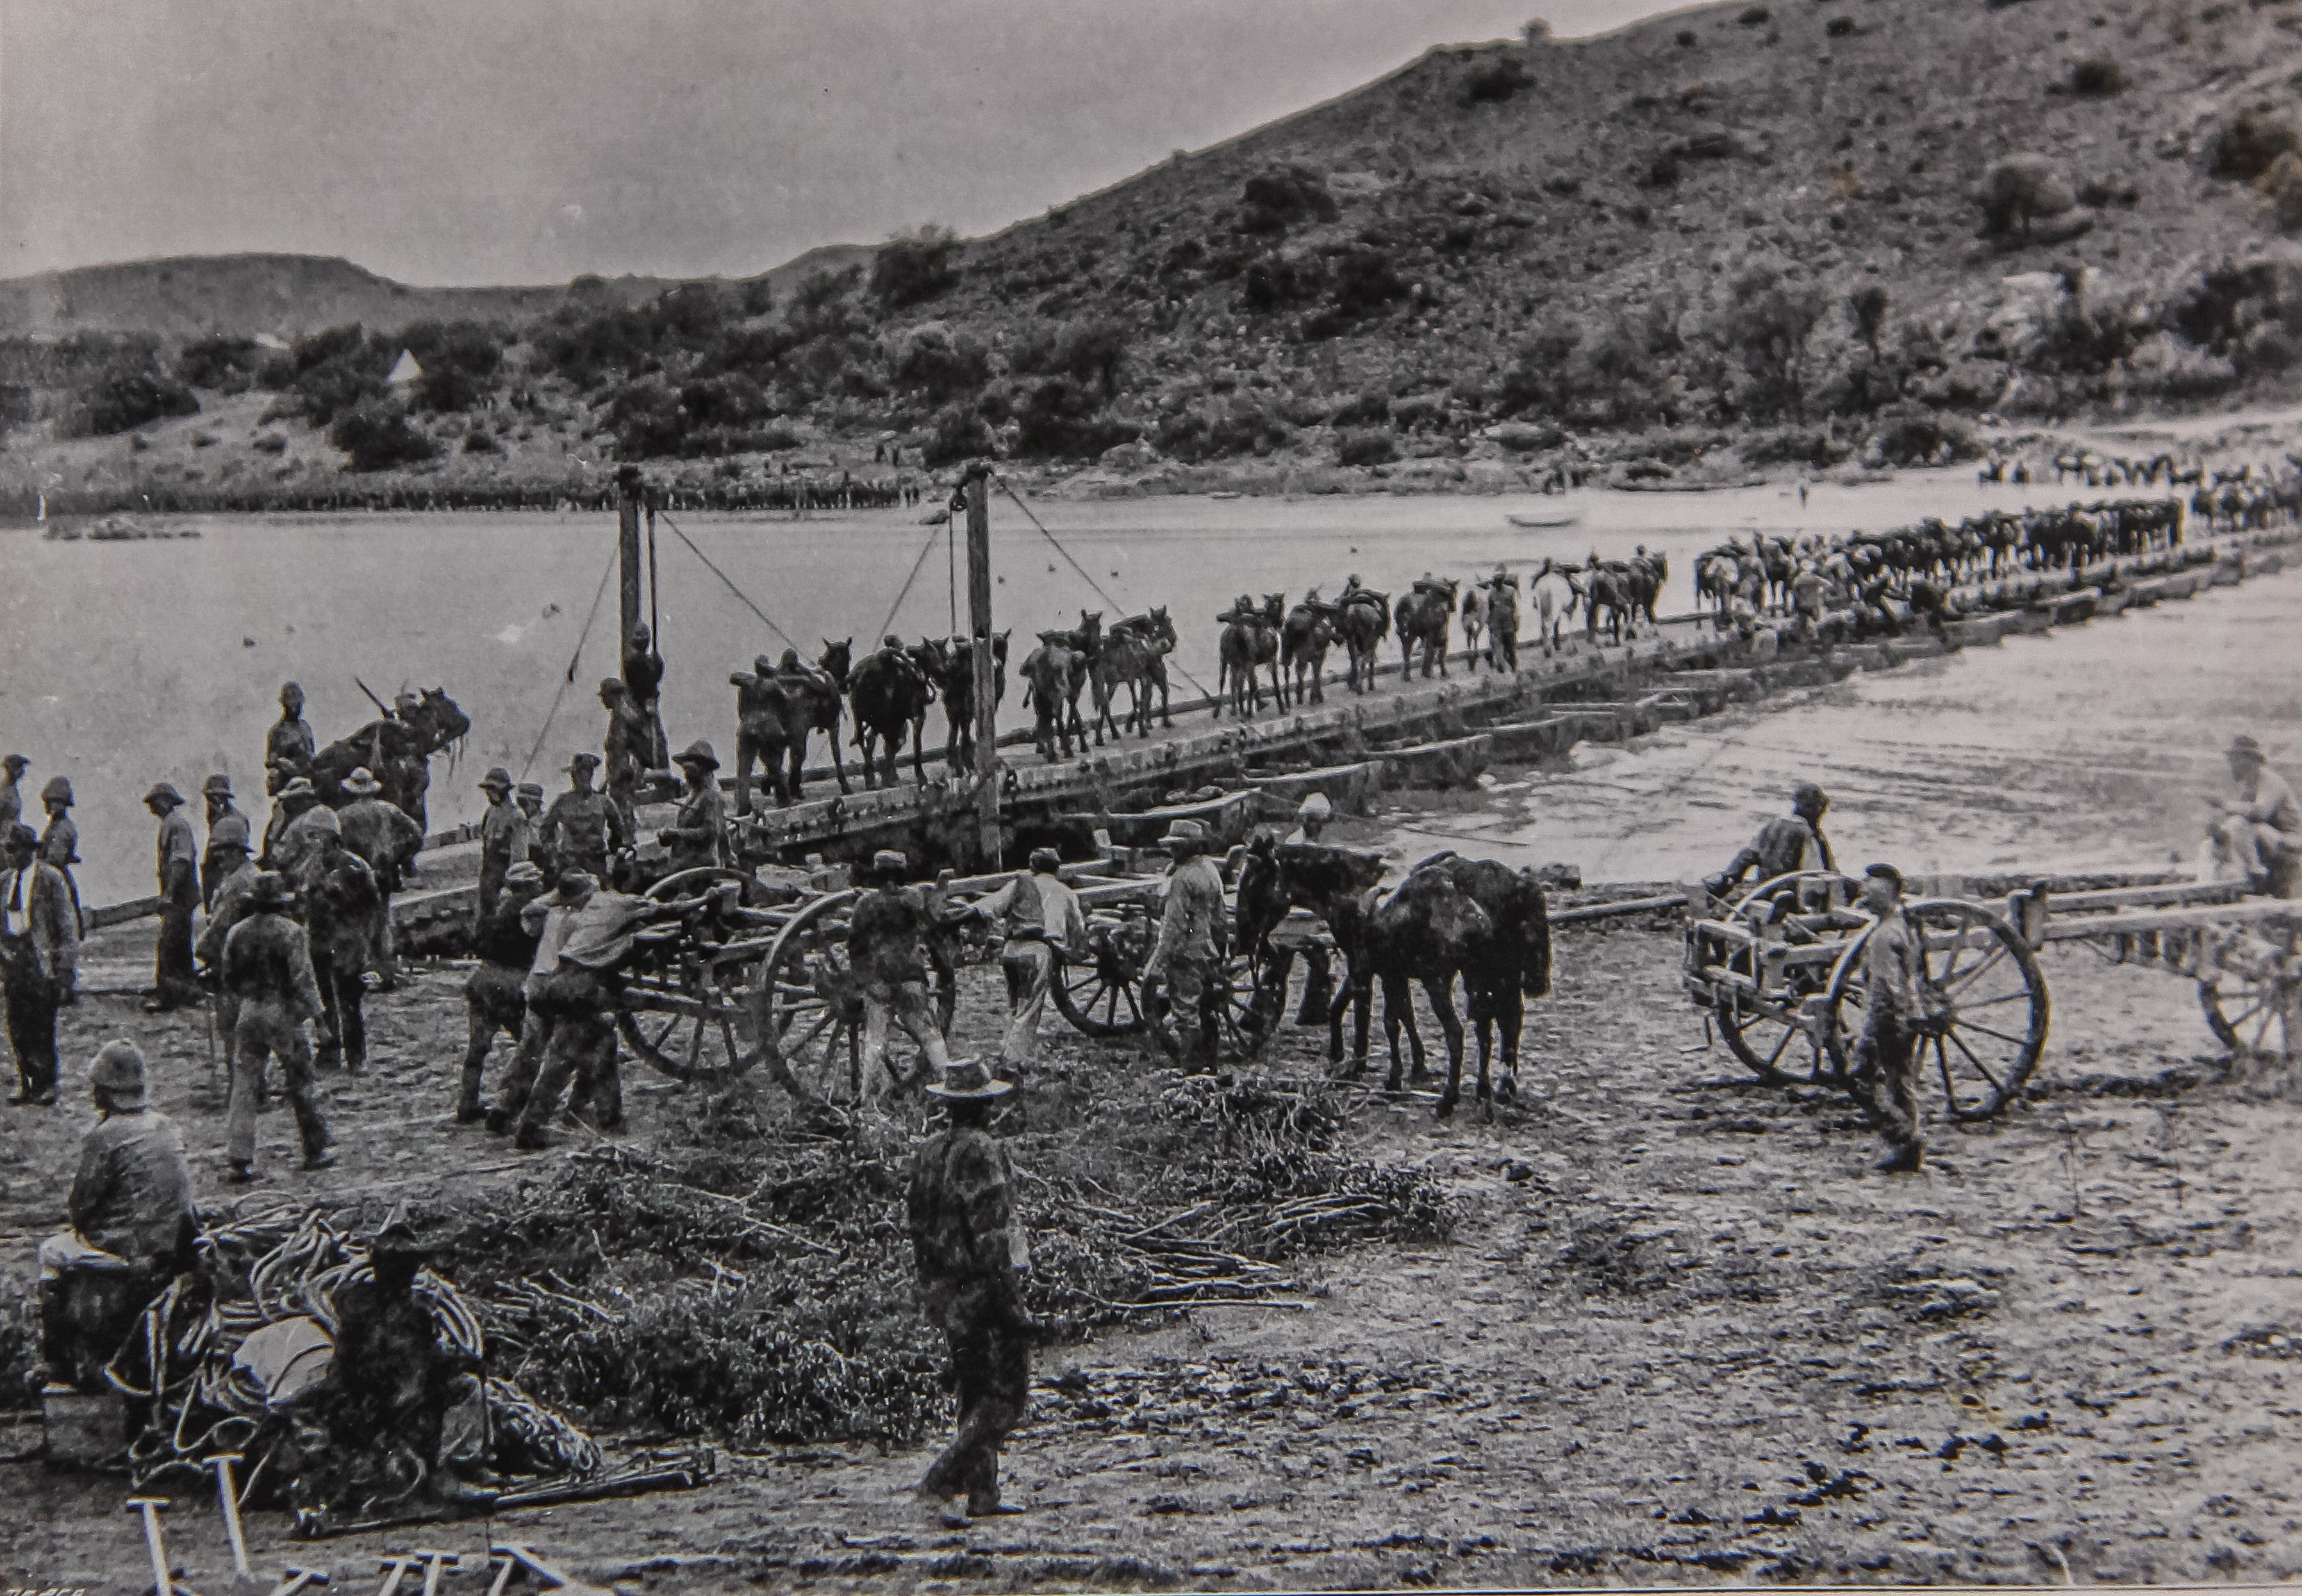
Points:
(1268, 1189)
(182, 1365)
(762, 1288)
(763, 1293)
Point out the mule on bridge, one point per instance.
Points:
(1421, 619)
(397, 749)
(889, 692)
(1134, 656)
(1250, 643)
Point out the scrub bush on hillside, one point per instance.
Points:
(915, 268)
(226, 364)
(1273, 201)
(2251, 145)
(1062, 419)
(93, 383)
(379, 436)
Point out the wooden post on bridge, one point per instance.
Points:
(988, 852)
(629, 496)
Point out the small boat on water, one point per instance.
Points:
(114, 529)
(1222, 495)
(1547, 520)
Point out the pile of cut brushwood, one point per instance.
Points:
(746, 1281)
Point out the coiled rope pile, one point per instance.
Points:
(267, 1269)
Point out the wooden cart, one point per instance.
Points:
(738, 988)
(2241, 952)
(1780, 971)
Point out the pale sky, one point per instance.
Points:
(494, 141)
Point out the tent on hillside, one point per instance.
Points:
(404, 371)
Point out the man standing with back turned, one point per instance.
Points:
(268, 972)
(1192, 938)
(389, 840)
(968, 1242)
(887, 936)
(1044, 922)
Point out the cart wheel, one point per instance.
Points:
(1767, 1037)
(2250, 985)
(809, 1005)
(693, 883)
(1244, 1030)
(1102, 998)
(687, 1008)
(1773, 1036)
(1988, 1039)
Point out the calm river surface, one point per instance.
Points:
(2089, 745)
(124, 663)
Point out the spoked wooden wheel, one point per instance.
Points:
(1778, 1040)
(1230, 995)
(2249, 986)
(688, 1006)
(1776, 1043)
(809, 1004)
(1103, 996)
(1987, 1038)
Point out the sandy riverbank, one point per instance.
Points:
(1682, 1334)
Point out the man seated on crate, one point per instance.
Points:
(131, 1213)
(2259, 828)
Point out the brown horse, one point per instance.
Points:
(1051, 674)
(1426, 931)
(395, 750)
(1502, 973)
(954, 674)
(823, 706)
(1250, 642)
(1604, 588)
(1422, 618)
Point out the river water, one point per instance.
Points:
(2086, 746)
(124, 663)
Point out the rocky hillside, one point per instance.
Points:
(1747, 214)
(1790, 233)
(284, 296)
